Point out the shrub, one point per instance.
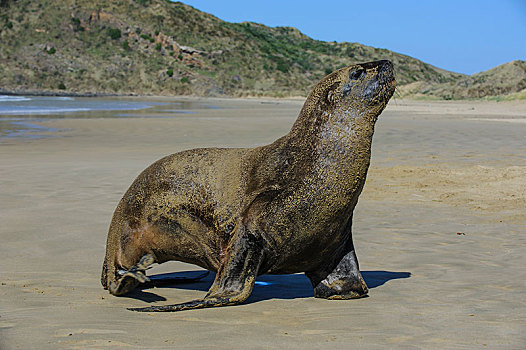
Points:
(126, 45)
(283, 66)
(61, 86)
(158, 47)
(170, 72)
(147, 37)
(77, 25)
(51, 51)
(184, 80)
(114, 33)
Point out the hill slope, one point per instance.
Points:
(160, 47)
(508, 79)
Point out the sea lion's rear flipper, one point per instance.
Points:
(234, 280)
(344, 282)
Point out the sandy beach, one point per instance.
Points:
(440, 233)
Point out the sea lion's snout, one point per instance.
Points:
(383, 68)
(379, 81)
(385, 73)
(382, 64)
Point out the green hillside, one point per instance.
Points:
(161, 47)
(507, 81)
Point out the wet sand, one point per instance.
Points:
(438, 169)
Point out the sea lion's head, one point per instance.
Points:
(361, 89)
(369, 84)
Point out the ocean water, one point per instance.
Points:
(22, 105)
(18, 114)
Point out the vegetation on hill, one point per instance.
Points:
(162, 47)
(507, 81)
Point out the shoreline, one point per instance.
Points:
(513, 111)
(416, 99)
(49, 93)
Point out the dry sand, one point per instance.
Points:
(438, 169)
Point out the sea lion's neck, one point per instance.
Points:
(337, 137)
(339, 146)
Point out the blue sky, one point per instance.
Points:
(463, 36)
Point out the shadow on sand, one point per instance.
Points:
(267, 286)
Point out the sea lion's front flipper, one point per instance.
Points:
(344, 282)
(234, 280)
(133, 277)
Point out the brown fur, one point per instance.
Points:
(281, 208)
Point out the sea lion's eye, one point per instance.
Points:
(357, 74)
(329, 96)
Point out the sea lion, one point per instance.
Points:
(277, 209)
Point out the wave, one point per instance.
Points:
(62, 98)
(6, 98)
(37, 110)
(40, 105)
